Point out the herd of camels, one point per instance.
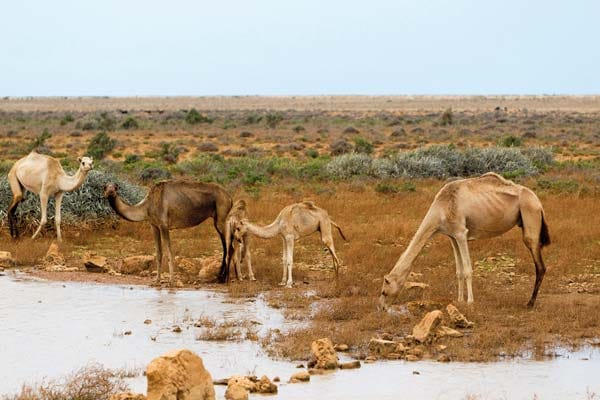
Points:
(464, 209)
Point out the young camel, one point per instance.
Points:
(239, 241)
(468, 209)
(43, 175)
(292, 223)
(174, 205)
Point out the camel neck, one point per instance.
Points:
(265, 232)
(428, 227)
(133, 213)
(68, 183)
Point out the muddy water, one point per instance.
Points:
(48, 329)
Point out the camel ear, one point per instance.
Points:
(386, 280)
(78, 159)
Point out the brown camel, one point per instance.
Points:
(239, 241)
(175, 205)
(292, 223)
(475, 208)
(43, 175)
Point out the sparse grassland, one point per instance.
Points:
(375, 166)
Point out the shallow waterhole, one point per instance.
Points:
(48, 329)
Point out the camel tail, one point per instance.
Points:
(544, 233)
(340, 230)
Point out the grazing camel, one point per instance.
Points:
(43, 175)
(174, 205)
(240, 242)
(292, 223)
(475, 208)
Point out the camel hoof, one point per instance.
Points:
(281, 283)
(289, 285)
(253, 279)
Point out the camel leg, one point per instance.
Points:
(290, 261)
(164, 233)
(44, 207)
(57, 217)
(248, 258)
(237, 260)
(460, 275)
(158, 245)
(17, 191)
(461, 240)
(285, 258)
(220, 227)
(327, 240)
(532, 222)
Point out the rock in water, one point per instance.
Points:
(242, 381)
(424, 330)
(381, 347)
(127, 396)
(302, 376)
(235, 392)
(456, 317)
(6, 259)
(323, 356)
(264, 385)
(350, 365)
(179, 375)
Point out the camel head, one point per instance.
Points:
(389, 291)
(110, 190)
(85, 163)
(240, 229)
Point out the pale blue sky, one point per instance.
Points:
(277, 47)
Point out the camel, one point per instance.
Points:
(469, 209)
(43, 175)
(240, 242)
(293, 222)
(175, 205)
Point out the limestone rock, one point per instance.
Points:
(302, 376)
(6, 259)
(350, 365)
(236, 392)
(381, 347)
(425, 329)
(410, 357)
(458, 320)
(341, 347)
(95, 263)
(264, 385)
(443, 358)
(127, 396)
(136, 264)
(443, 331)
(242, 381)
(53, 255)
(323, 356)
(179, 375)
(210, 269)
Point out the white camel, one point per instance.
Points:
(43, 175)
(475, 208)
(240, 241)
(292, 223)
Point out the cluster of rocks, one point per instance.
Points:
(423, 342)
(238, 386)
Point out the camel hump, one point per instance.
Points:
(495, 175)
(309, 204)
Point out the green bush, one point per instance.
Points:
(131, 159)
(273, 118)
(153, 173)
(362, 145)
(39, 143)
(252, 118)
(66, 119)
(87, 203)
(311, 153)
(130, 123)
(447, 117)
(100, 145)
(511, 141)
(194, 117)
(169, 152)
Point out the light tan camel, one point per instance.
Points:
(239, 241)
(292, 223)
(174, 205)
(475, 208)
(43, 175)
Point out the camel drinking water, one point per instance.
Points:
(175, 205)
(43, 175)
(292, 223)
(475, 208)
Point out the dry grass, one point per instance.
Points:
(92, 382)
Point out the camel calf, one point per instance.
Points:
(238, 240)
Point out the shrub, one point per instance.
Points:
(169, 152)
(246, 134)
(447, 117)
(153, 174)
(100, 145)
(298, 129)
(312, 153)
(351, 130)
(194, 117)
(39, 143)
(273, 118)
(511, 141)
(208, 147)
(84, 204)
(347, 165)
(339, 147)
(252, 118)
(130, 123)
(66, 119)
(103, 121)
(362, 145)
(92, 382)
(131, 159)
